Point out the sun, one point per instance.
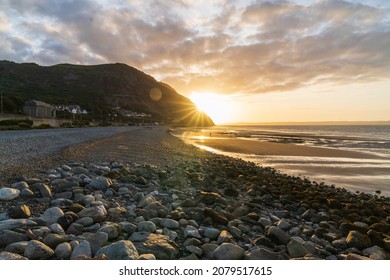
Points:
(220, 108)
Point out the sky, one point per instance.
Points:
(240, 61)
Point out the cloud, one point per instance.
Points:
(222, 46)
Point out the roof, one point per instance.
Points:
(37, 103)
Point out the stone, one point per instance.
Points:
(57, 228)
(375, 253)
(264, 254)
(209, 198)
(96, 240)
(283, 225)
(224, 236)
(36, 250)
(113, 230)
(228, 251)
(115, 211)
(160, 209)
(235, 232)
(296, 250)
(66, 195)
(195, 250)
(17, 247)
(146, 201)
(81, 250)
(53, 239)
(128, 227)
(63, 250)
(211, 233)
(147, 226)
(216, 217)
(147, 257)
(85, 221)
(12, 224)
(43, 189)
(26, 193)
(278, 236)
(8, 237)
(208, 250)
(20, 212)
(66, 220)
(381, 227)
(346, 227)
(20, 185)
(340, 243)
(231, 192)
(353, 256)
(75, 229)
(11, 256)
(159, 245)
(171, 224)
(97, 213)
(191, 231)
(358, 240)
(51, 215)
(87, 199)
(100, 183)
(9, 193)
(120, 250)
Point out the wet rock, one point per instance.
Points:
(120, 250)
(36, 250)
(159, 245)
(278, 236)
(358, 240)
(9, 193)
(228, 251)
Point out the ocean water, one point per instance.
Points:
(355, 174)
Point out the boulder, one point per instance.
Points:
(120, 250)
(228, 251)
(9, 193)
(358, 240)
(97, 213)
(159, 245)
(36, 250)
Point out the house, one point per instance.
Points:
(39, 109)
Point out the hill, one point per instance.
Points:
(99, 89)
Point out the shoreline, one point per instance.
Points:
(190, 203)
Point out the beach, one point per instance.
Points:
(149, 195)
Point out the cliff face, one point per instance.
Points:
(99, 86)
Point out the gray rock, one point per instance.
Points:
(120, 250)
(87, 199)
(375, 252)
(228, 251)
(66, 195)
(113, 230)
(75, 229)
(146, 201)
(147, 226)
(340, 243)
(211, 233)
(191, 231)
(9, 237)
(57, 228)
(147, 257)
(20, 185)
(17, 247)
(36, 250)
(12, 224)
(53, 239)
(278, 236)
(9, 193)
(208, 250)
(43, 189)
(100, 183)
(358, 240)
(51, 215)
(264, 254)
(4, 216)
(11, 256)
(224, 236)
(160, 209)
(96, 240)
(296, 250)
(170, 224)
(128, 227)
(97, 213)
(235, 232)
(195, 250)
(139, 236)
(63, 250)
(85, 221)
(283, 225)
(82, 250)
(159, 245)
(26, 193)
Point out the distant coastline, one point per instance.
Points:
(308, 123)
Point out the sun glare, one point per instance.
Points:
(219, 107)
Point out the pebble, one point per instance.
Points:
(9, 193)
(191, 231)
(147, 226)
(120, 250)
(278, 235)
(358, 240)
(51, 215)
(63, 250)
(228, 251)
(36, 250)
(211, 233)
(81, 250)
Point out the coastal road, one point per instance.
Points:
(30, 151)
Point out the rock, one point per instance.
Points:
(20, 212)
(11, 256)
(278, 236)
(51, 215)
(75, 229)
(147, 226)
(195, 250)
(36, 250)
(191, 231)
(340, 243)
(100, 183)
(57, 228)
(228, 251)
(63, 250)
(20, 185)
(82, 250)
(8, 237)
(211, 233)
(375, 253)
(145, 257)
(209, 198)
(26, 193)
(43, 189)
(9, 193)
(128, 227)
(224, 236)
(208, 250)
(216, 217)
(353, 256)
(17, 247)
(296, 249)
(231, 192)
(96, 240)
(358, 240)
(66, 195)
(283, 225)
(120, 250)
(381, 227)
(66, 220)
(86, 221)
(160, 209)
(159, 245)
(113, 230)
(346, 227)
(97, 213)
(53, 239)
(264, 254)
(170, 224)
(12, 224)
(87, 199)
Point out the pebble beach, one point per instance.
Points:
(144, 194)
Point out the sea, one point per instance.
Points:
(355, 174)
